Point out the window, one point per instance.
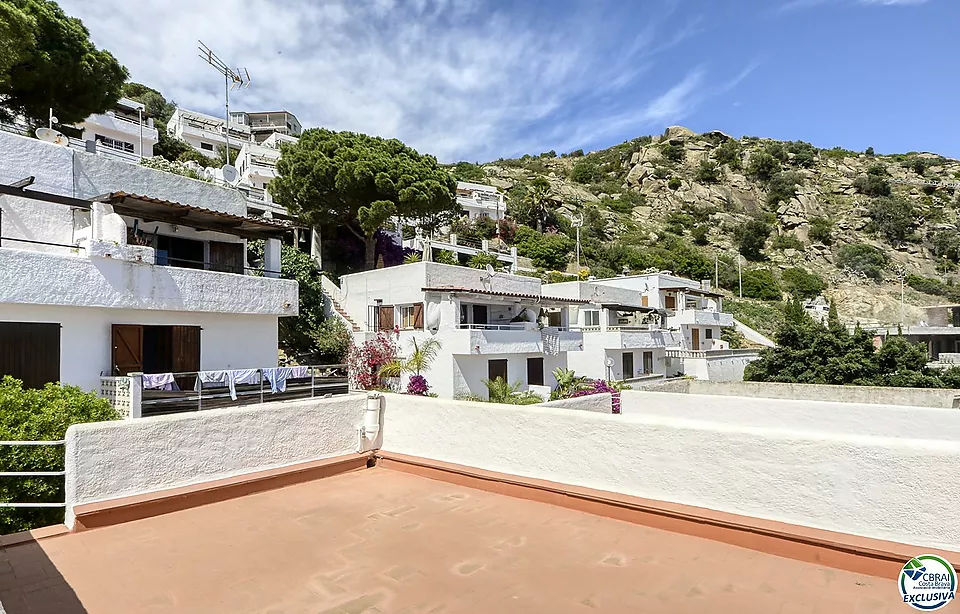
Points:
(406, 317)
(206, 146)
(115, 144)
(708, 333)
(591, 317)
(535, 371)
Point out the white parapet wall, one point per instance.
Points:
(108, 460)
(884, 473)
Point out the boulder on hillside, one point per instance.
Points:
(639, 173)
(720, 136)
(678, 133)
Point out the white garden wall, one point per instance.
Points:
(107, 460)
(881, 475)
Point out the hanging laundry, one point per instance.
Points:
(159, 381)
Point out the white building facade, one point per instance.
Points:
(124, 129)
(97, 281)
(479, 200)
(208, 134)
(489, 326)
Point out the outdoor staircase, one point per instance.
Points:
(343, 314)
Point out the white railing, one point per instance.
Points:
(32, 474)
(493, 327)
(681, 353)
(124, 393)
(948, 358)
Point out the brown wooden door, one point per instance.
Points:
(386, 317)
(226, 257)
(670, 302)
(497, 368)
(628, 365)
(186, 353)
(535, 371)
(127, 356)
(30, 352)
(696, 338)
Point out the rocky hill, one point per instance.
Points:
(858, 221)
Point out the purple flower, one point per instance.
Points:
(418, 385)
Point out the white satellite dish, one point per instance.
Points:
(49, 135)
(492, 272)
(230, 173)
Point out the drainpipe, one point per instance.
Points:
(370, 429)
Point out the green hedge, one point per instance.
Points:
(39, 415)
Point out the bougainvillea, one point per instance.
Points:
(366, 360)
(600, 387)
(418, 385)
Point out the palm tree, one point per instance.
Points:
(499, 391)
(536, 199)
(423, 354)
(568, 382)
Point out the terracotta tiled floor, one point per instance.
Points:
(384, 541)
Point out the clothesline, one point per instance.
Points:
(229, 378)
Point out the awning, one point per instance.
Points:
(527, 297)
(152, 209)
(697, 292)
(617, 307)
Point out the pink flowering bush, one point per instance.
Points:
(600, 387)
(418, 385)
(366, 361)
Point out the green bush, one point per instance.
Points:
(677, 222)
(674, 152)
(482, 260)
(707, 172)
(917, 165)
(869, 151)
(804, 154)
(586, 171)
(821, 229)
(675, 183)
(872, 185)
(729, 153)
(332, 340)
(863, 258)
(761, 284)
(445, 257)
(945, 244)
(465, 171)
(838, 153)
(777, 150)
(928, 285)
(801, 283)
(783, 187)
(547, 251)
(877, 170)
(762, 317)
(39, 415)
(699, 234)
(786, 241)
(751, 238)
(662, 172)
(762, 166)
(893, 218)
(576, 153)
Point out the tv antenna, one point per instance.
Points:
(232, 80)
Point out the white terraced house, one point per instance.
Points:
(490, 326)
(624, 338)
(694, 310)
(478, 200)
(108, 268)
(207, 133)
(124, 131)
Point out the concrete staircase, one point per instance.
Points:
(334, 296)
(346, 317)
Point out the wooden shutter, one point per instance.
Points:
(226, 257)
(645, 301)
(30, 352)
(186, 353)
(418, 316)
(386, 317)
(127, 356)
(670, 302)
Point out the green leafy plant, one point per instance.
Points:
(783, 187)
(761, 284)
(445, 257)
(872, 185)
(729, 153)
(893, 218)
(762, 166)
(863, 258)
(675, 183)
(708, 172)
(821, 229)
(752, 237)
(424, 352)
(568, 382)
(786, 241)
(586, 170)
(412, 258)
(674, 152)
(499, 391)
(803, 284)
(547, 251)
(39, 415)
(482, 260)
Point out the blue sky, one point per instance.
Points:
(478, 80)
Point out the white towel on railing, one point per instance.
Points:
(278, 376)
(159, 381)
(230, 379)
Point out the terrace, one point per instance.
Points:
(404, 504)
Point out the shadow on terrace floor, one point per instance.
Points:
(30, 582)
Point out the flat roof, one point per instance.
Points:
(159, 210)
(533, 297)
(380, 540)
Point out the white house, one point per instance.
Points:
(98, 280)
(624, 339)
(123, 129)
(478, 200)
(695, 311)
(489, 325)
(207, 133)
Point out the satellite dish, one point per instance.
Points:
(230, 173)
(49, 135)
(491, 271)
(609, 361)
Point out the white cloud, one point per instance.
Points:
(450, 77)
(800, 4)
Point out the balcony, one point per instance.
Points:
(630, 337)
(513, 339)
(88, 280)
(699, 317)
(130, 127)
(682, 353)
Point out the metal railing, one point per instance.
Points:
(32, 474)
(322, 380)
(32, 242)
(681, 353)
(494, 327)
(206, 265)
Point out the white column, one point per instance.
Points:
(604, 319)
(271, 258)
(315, 246)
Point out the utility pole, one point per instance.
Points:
(716, 271)
(740, 274)
(140, 114)
(577, 221)
(902, 274)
